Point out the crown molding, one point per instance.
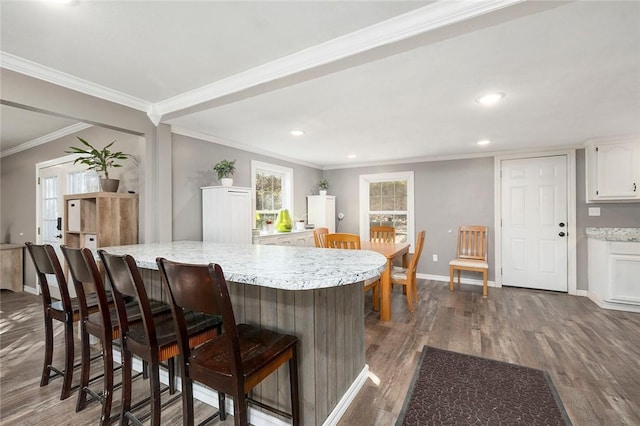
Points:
(214, 139)
(41, 72)
(69, 130)
(435, 15)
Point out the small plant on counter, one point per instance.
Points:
(98, 160)
(225, 169)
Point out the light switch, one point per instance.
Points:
(594, 211)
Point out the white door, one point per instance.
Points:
(534, 223)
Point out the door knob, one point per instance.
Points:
(562, 234)
(561, 224)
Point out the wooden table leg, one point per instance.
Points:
(385, 296)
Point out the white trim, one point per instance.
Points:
(463, 280)
(74, 128)
(571, 212)
(626, 307)
(42, 72)
(363, 200)
(346, 400)
(287, 184)
(214, 139)
(31, 290)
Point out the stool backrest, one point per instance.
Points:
(46, 262)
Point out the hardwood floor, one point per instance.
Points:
(591, 354)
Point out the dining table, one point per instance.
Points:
(390, 251)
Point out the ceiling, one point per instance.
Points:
(375, 81)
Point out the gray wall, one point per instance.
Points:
(193, 160)
(18, 182)
(447, 195)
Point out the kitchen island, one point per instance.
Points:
(312, 293)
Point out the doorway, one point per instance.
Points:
(535, 221)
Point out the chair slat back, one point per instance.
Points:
(382, 234)
(46, 262)
(413, 265)
(126, 280)
(84, 271)
(472, 242)
(319, 235)
(343, 241)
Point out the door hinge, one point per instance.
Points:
(38, 230)
(38, 180)
(500, 271)
(596, 192)
(596, 149)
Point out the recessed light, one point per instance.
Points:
(297, 132)
(484, 142)
(351, 156)
(490, 98)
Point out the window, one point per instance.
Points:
(387, 199)
(83, 181)
(273, 186)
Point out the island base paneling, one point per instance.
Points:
(330, 325)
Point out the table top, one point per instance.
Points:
(388, 250)
(282, 267)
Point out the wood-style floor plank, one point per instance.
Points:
(591, 354)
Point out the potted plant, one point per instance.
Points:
(323, 184)
(225, 170)
(100, 161)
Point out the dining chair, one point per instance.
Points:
(66, 310)
(234, 362)
(382, 234)
(153, 339)
(318, 236)
(102, 325)
(472, 254)
(352, 242)
(407, 276)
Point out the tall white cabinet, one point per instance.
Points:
(321, 211)
(226, 214)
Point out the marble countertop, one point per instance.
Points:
(615, 234)
(281, 267)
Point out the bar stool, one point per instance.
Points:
(67, 311)
(102, 325)
(152, 339)
(237, 360)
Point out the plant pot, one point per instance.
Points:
(109, 185)
(226, 182)
(322, 192)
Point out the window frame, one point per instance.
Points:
(366, 180)
(287, 183)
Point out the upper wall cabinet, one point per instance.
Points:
(613, 171)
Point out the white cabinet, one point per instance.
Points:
(614, 271)
(293, 238)
(321, 211)
(613, 171)
(226, 214)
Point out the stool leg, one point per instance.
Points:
(154, 384)
(222, 406)
(293, 381)
(68, 359)
(107, 361)
(126, 385)
(240, 412)
(187, 400)
(48, 350)
(85, 369)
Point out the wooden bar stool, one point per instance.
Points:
(102, 325)
(154, 338)
(237, 360)
(67, 311)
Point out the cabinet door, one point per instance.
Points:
(239, 215)
(624, 285)
(617, 169)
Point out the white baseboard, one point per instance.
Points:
(256, 417)
(30, 290)
(445, 278)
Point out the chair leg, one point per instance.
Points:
(68, 359)
(48, 350)
(293, 381)
(222, 406)
(376, 297)
(240, 411)
(154, 384)
(409, 293)
(85, 369)
(107, 359)
(485, 290)
(451, 288)
(414, 286)
(171, 371)
(126, 386)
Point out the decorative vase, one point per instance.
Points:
(226, 182)
(283, 221)
(109, 185)
(322, 192)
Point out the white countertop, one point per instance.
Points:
(614, 234)
(281, 267)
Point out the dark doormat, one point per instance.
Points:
(450, 388)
